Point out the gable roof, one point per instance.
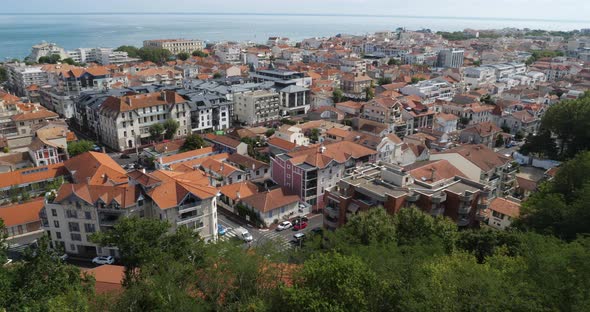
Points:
(483, 129)
(108, 278)
(244, 189)
(95, 168)
(31, 175)
(135, 101)
(270, 200)
(433, 171)
(321, 156)
(201, 152)
(176, 185)
(223, 140)
(24, 213)
(480, 155)
(246, 162)
(124, 195)
(505, 207)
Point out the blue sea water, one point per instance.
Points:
(18, 32)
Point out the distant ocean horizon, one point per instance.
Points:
(19, 31)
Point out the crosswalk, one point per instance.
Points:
(280, 243)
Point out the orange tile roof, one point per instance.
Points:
(439, 170)
(194, 163)
(270, 200)
(480, 155)
(176, 185)
(282, 144)
(125, 195)
(219, 167)
(339, 151)
(21, 214)
(244, 189)
(132, 102)
(95, 169)
(32, 175)
(505, 207)
(108, 278)
(39, 114)
(187, 155)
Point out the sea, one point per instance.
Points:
(18, 32)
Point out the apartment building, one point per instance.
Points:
(21, 76)
(476, 76)
(355, 86)
(311, 171)
(480, 163)
(103, 56)
(124, 121)
(22, 220)
(175, 46)
(181, 198)
(353, 65)
(281, 78)
(437, 188)
(208, 111)
(430, 90)
(46, 49)
(452, 58)
(295, 100)
(228, 53)
(257, 107)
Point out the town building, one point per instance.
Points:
(311, 171)
(175, 46)
(22, 220)
(501, 212)
(451, 58)
(257, 107)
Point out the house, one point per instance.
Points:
(350, 107)
(445, 123)
(22, 219)
(108, 278)
(411, 153)
(354, 86)
(483, 133)
(33, 181)
(232, 194)
(272, 206)
(221, 172)
(389, 149)
(435, 187)
(480, 163)
(50, 144)
(310, 171)
(278, 146)
(292, 134)
(255, 169)
(224, 144)
(502, 212)
(520, 121)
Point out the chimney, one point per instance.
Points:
(432, 174)
(322, 149)
(238, 194)
(143, 170)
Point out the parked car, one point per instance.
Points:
(124, 156)
(96, 148)
(103, 260)
(244, 234)
(284, 225)
(299, 219)
(299, 236)
(300, 226)
(221, 230)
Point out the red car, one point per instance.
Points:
(299, 226)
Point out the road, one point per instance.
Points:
(261, 237)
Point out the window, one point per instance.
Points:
(89, 228)
(74, 227)
(76, 236)
(88, 215)
(497, 214)
(58, 235)
(71, 214)
(56, 223)
(72, 247)
(54, 212)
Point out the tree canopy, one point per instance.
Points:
(183, 56)
(156, 131)
(193, 142)
(79, 147)
(170, 128)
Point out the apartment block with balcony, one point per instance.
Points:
(480, 163)
(124, 121)
(437, 188)
(257, 107)
(430, 90)
(311, 171)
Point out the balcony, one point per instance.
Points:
(439, 197)
(464, 209)
(435, 212)
(189, 219)
(467, 197)
(510, 169)
(413, 197)
(188, 208)
(333, 224)
(332, 212)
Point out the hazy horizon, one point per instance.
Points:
(574, 10)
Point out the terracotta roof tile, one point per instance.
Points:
(270, 200)
(20, 214)
(239, 190)
(505, 207)
(96, 168)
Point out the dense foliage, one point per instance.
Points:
(192, 142)
(79, 147)
(155, 55)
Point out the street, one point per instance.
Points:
(282, 239)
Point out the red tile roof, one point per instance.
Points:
(505, 207)
(21, 214)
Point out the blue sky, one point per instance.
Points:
(525, 9)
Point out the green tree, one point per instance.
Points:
(183, 56)
(337, 95)
(314, 135)
(131, 50)
(270, 132)
(155, 55)
(50, 59)
(560, 206)
(333, 282)
(200, 53)
(79, 147)
(369, 93)
(540, 145)
(383, 81)
(69, 61)
(192, 142)
(415, 80)
(170, 128)
(414, 226)
(392, 62)
(3, 74)
(217, 75)
(156, 131)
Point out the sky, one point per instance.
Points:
(512, 9)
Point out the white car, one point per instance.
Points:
(103, 260)
(284, 225)
(247, 237)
